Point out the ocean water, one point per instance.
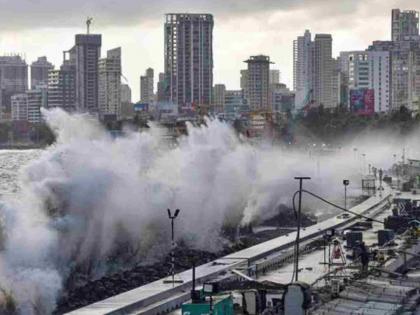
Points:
(12, 162)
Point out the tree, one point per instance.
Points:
(43, 134)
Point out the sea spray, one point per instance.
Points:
(90, 198)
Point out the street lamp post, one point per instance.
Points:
(381, 173)
(395, 168)
(364, 163)
(301, 179)
(172, 217)
(346, 182)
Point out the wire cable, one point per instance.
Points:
(327, 202)
(341, 208)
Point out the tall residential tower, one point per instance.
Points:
(109, 89)
(147, 91)
(13, 80)
(404, 24)
(302, 70)
(258, 86)
(189, 58)
(87, 52)
(323, 71)
(62, 85)
(368, 70)
(39, 72)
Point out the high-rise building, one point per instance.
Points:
(323, 71)
(127, 110)
(258, 85)
(281, 98)
(303, 70)
(147, 91)
(39, 72)
(355, 66)
(404, 73)
(219, 91)
(414, 79)
(235, 104)
(189, 58)
(244, 82)
(19, 107)
(162, 88)
(36, 99)
(337, 82)
(85, 55)
(62, 86)
(125, 93)
(404, 24)
(314, 75)
(274, 76)
(369, 70)
(340, 87)
(27, 106)
(405, 59)
(109, 90)
(13, 80)
(380, 79)
(274, 82)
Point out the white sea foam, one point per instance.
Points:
(90, 193)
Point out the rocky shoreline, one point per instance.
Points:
(107, 286)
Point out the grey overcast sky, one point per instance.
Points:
(242, 28)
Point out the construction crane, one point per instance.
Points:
(88, 23)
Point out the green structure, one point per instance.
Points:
(215, 305)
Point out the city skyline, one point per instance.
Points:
(142, 43)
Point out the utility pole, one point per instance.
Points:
(364, 164)
(355, 154)
(346, 182)
(301, 179)
(172, 217)
(381, 173)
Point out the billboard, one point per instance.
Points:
(362, 101)
(166, 107)
(188, 108)
(141, 107)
